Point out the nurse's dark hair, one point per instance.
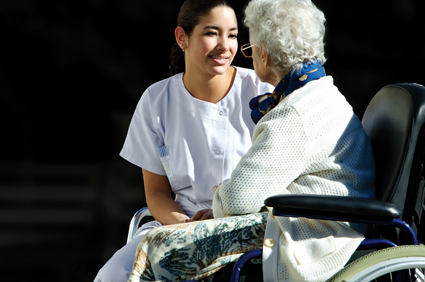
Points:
(189, 16)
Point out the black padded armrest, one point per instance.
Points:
(341, 208)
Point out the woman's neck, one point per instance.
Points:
(209, 88)
(278, 76)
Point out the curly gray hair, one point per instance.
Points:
(291, 31)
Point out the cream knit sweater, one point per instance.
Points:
(310, 143)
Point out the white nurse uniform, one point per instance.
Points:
(197, 144)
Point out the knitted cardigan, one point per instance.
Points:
(310, 143)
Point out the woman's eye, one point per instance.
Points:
(211, 34)
(233, 36)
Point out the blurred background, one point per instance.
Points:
(71, 74)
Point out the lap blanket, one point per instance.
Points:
(196, 250)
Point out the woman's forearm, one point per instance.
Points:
(160, 201)
(165, 209)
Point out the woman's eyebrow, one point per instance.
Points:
(217, 28)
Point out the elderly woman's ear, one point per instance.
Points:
(264, 67)
(264, 56)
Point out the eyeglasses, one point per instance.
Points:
(246, 50)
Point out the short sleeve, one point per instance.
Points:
(144, 138)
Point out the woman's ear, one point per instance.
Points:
(265, 57)
(180, 37)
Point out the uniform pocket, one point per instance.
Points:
(164, 154)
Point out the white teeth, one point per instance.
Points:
(218, 58)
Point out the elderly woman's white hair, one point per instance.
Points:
(291, 31)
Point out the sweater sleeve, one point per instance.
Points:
(275, 159)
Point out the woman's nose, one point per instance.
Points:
(223, 44)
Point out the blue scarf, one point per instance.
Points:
(292, 81)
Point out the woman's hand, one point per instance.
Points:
(202, 215)
(214, 189)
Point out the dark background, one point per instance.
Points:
(71, 73)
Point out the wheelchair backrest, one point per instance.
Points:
(394, 121)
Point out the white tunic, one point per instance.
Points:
(195, 143)
(310, 143)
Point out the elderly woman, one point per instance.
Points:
(307, 140)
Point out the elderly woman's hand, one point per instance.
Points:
(215, 188)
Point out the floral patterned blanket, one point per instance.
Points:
(196, 250)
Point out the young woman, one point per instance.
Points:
(189, 131)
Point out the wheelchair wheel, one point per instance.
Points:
(403, 263)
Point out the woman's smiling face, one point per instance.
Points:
(213, 43)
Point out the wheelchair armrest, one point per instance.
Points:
(340, 208)
(135, 222)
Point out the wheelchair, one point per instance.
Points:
(394, 120)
